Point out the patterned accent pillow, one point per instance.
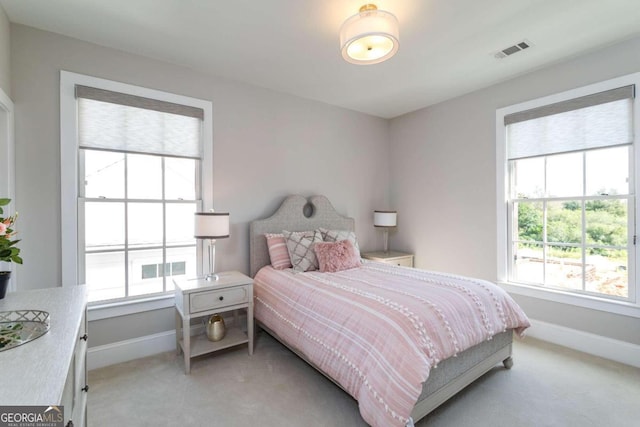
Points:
(300, 247)
(278, 253)
(336, 256)
(337, 235)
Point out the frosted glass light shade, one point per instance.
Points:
(211, 225)
(385, 218)
(370, 36)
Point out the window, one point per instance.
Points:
(151, 271)
(135, 167)
(566, 202)
(134, 210)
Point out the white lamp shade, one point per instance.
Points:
(211, 225)
(385, 218)
(369, 37)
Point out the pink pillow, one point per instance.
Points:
(336, 256)
(278, 252)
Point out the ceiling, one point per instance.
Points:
(447, 47)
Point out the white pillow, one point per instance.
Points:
(300, 248)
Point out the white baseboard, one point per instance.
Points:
(135, 348)
(619, 351)
(123, 351)
(597, 345)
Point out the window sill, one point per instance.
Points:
(100, 311)
(585, 301)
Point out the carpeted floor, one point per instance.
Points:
(548, 386)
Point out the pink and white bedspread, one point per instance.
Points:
(377, 330)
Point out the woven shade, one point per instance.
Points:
(596, 121)
(125, 123)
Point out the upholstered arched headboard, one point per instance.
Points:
(296, 213)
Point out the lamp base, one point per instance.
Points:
(211, 277)
(385, 236)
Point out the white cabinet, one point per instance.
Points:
(52, 369)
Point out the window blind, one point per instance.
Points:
(121, 122)
(599, 120)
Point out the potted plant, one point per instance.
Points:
(8, 250)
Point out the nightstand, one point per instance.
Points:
(391, 257)
(198, 298)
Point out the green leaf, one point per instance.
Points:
(16, 259)
(4, 202)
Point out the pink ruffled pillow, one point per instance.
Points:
(336, 256)
(278, 253)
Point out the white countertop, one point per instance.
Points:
(35, 372)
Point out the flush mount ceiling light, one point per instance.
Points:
(370, 36)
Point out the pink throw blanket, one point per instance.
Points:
(377, 330)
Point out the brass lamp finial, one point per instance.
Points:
(368, 7)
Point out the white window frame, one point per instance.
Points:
(69, 183)
(7, 170)
(628, 308)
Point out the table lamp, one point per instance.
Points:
(385, 220)
(211, 226)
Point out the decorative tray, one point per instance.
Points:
(21, 326)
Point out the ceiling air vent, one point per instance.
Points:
(524, 44)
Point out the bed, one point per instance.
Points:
(437, 379)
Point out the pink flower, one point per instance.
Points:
(3, 228)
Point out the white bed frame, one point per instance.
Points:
(296, 213)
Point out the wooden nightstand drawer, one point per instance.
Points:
(203, 301)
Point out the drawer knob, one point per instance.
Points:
(84, 337)
(221, 298)
(85, 388)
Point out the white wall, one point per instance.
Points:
(267, 145)
(439, 168)
(443, 180)
(5, 48)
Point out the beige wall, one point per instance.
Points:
(443, 180)
(266, 145)
(5, 48)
